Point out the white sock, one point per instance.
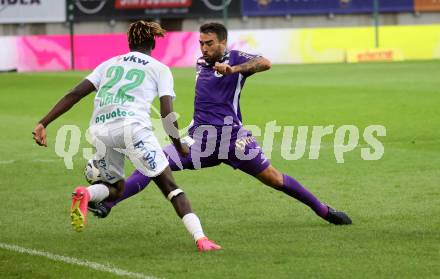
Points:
(192, 224)
(98, 192)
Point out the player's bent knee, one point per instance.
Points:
(165, 182)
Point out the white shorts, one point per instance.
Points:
(113, 143)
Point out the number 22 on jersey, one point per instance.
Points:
(116, 74)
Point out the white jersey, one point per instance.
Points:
(126, 86)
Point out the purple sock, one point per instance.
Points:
(294, 189)
(133, 185)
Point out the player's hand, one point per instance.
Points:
(183, 149)
(223, 68)
(40, 135)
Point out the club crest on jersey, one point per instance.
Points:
(217, 74)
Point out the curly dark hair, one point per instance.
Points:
(142, 34)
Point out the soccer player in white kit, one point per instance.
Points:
(120, 127)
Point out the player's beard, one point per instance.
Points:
(211, 59)
(215, 57)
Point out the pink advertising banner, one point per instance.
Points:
(52, 53)
(91, 50)
(43, 53)
(180, 49)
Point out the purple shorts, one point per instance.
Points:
(212, 146)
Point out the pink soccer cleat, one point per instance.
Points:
(78, 212)
(204, 244)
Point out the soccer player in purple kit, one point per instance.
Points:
(217, 126)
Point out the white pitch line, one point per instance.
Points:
(33, 160)
(69, 260)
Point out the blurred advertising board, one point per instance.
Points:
(92, 10)
(181, 49)
(304, 7)
(32, 11)
(374, 55)
(8, 54)
(427, 5)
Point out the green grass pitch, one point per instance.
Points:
(394, 202)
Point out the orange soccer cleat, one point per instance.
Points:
(78, 212)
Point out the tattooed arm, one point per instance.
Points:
(257, 64)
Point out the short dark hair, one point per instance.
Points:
(217, 28)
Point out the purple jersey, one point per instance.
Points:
(218, 96)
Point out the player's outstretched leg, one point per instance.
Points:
(181, 204)
(283, 182)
